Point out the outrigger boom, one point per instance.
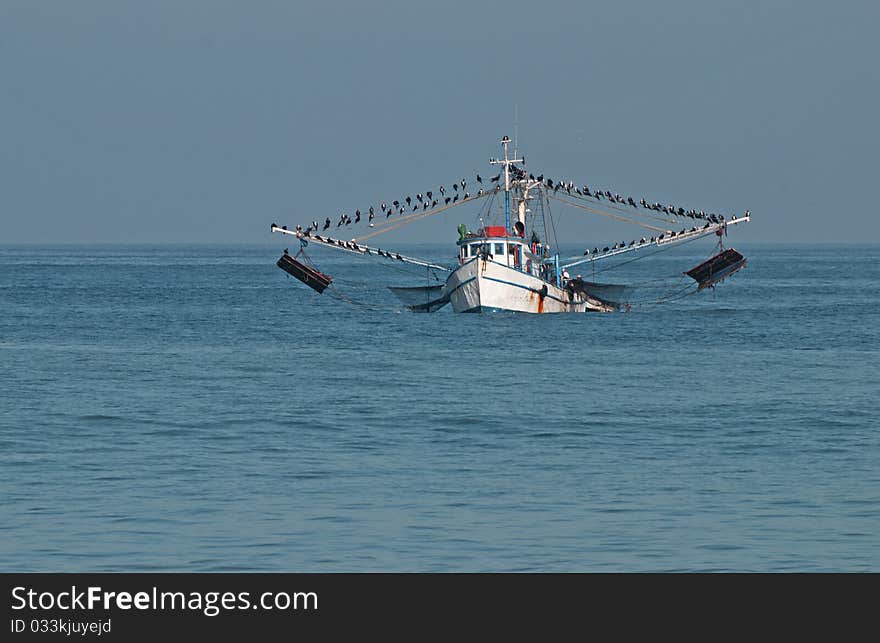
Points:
(356, 248)
(667, 239)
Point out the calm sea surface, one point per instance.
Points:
(192, 408)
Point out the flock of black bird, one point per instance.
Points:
(616, 198)
(429, 200)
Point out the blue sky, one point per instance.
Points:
(189, 121)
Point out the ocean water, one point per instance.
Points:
(191, 408)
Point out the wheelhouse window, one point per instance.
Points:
(499, 248)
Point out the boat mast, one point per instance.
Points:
(505, 141)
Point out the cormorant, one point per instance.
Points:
(327, 223)
(479, 179)
(447, 200)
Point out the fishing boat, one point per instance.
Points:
(511, 265)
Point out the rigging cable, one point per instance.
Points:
(407, 219)
(608, 214)
(552, 222)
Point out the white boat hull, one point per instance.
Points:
(482, 285)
